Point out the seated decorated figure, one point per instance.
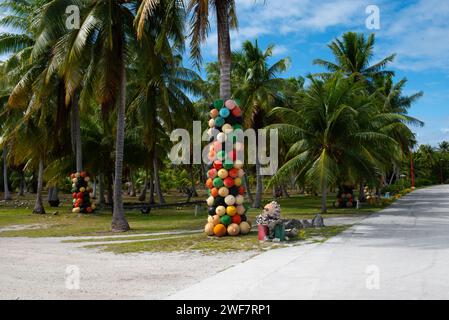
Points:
(271, 219)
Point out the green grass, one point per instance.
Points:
(201, 243)
(66, 223)
(128, 238)
(321, 234)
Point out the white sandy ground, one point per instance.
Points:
(35, 268)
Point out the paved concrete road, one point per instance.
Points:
(400, 253)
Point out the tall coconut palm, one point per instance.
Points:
(353, 54)
(160, 103)
(259, 92)
(32, 148)
(334, 133)
(444, 146)
(225, 13)
(33, 114)
(19, 16)
(4, 92)
(6, 192)
(100, 46)
(160, 86)
(389, 98)
(36, 87)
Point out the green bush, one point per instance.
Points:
(423, 182)
(397, 187)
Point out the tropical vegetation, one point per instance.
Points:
(104, 98)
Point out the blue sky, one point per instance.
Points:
(418, 31)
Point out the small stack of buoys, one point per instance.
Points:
(82, 193)
(224, 176)
(345, 199)
(371, 196)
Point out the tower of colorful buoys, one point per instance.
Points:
(82, 193)
(225, 203)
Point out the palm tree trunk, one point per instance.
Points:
(77, 136)
(132, 191)
(361, 192)
(94, 189)
(119, 222)
(284, 191)
(224, 48)
(7, 194)
(192, 179)
(324, 197)
(110, 190)
(203, 171)
(53, 198)
(247, 187)
(38, 206)
(143, 193)
(392, 175)
(151, 192)
(22, 183)
(157, 181)
(259, 186)
(72, 131)
(50, 193)
(101, 189)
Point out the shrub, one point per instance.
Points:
(396, 187)
(423, 182)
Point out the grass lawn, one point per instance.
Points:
(199, 242)
(65, 223)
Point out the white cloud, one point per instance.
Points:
(300, 15)
(325, 15)
(288, 17)
(280, 50)
(417, 31)
(419, 34)
(445, 130)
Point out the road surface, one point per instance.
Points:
(399, 253)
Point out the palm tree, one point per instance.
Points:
(38, 90)
(444, 146)
(390, 99)
(160, 103)
(58, 45)
(353, 54)
(19, 16)
(225, 12)
(98, 141)
(98, 49)
(33, 128)
(6, 192)
(258, 91)
(3, 99)
(443, 149)
(335, 135)
(425, 160)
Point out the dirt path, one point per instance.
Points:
(35, 268)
